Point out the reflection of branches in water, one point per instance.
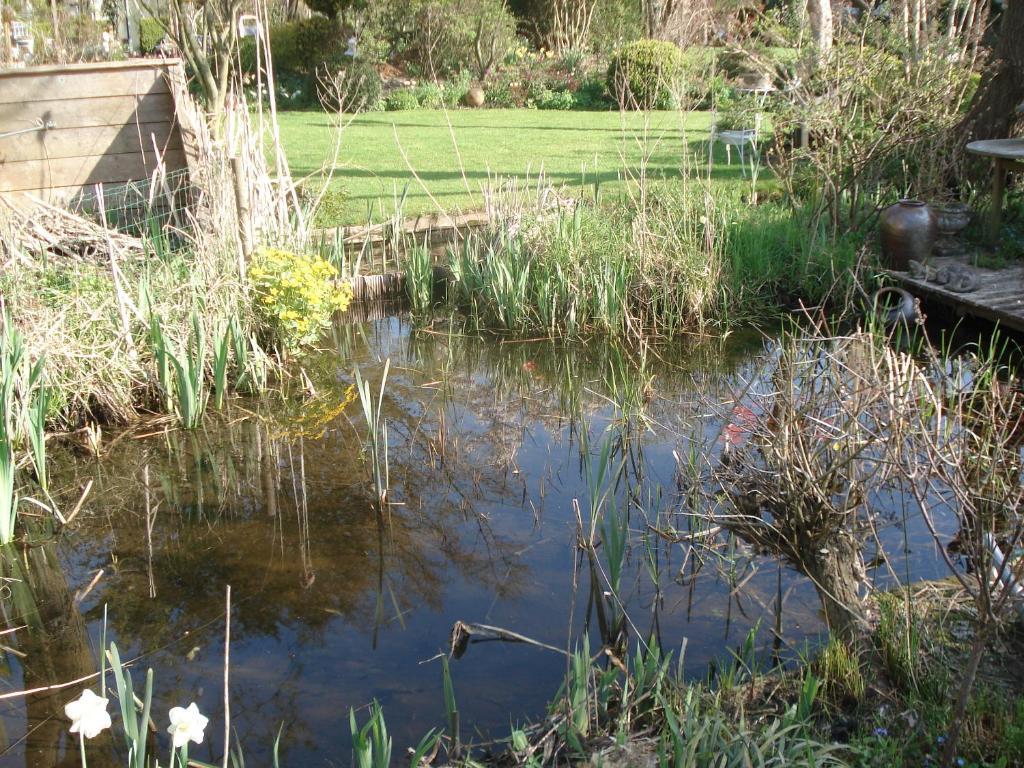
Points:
(302, 514)
(233, 481)
(53, 649)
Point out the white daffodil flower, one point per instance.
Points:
(88, 714)
(187, 725)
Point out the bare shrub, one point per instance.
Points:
(837, 425)
(807, 459)
(867, 127)
(965, 464)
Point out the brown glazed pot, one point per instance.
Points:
(475, 97)
(909, 230)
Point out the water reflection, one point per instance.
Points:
(337, 602)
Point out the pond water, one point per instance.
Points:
(333, 604)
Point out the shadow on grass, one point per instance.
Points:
(376, 187)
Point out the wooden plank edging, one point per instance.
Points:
(88, 66)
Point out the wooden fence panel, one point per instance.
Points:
(31, 175)
(90, 142)
(72, 127)
(80, 85)
(102, 110)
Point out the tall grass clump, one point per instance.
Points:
(776, 255)
(190, 378)
(8, 500)
(24, 405)
(185, 394)
(567, 274)
(377, 437)
(419, 279)
(689, 256)
(601, 708)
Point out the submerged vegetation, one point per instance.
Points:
(836, 464)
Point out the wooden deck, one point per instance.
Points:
(999, 296)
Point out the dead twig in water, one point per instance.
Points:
(462, 632)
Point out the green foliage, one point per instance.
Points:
(36, 414)
(646, 74)
(296, 91)
(158, 342)
(134, 713)
(882, 127)
(308, 45)
(591, 94)
(331, 208)
(190, 378)
(455, 88)
(502, 93)
(355, 87)
(151, 32)
(615, 23)
(377, 439)
(451, 708)
(898, 639)
(285, 50)
(185, 393)
(81, 31)
(430, 95)
(333, 9)
(401, 100)
(543, 97)
(776, 254)
(691, 258)
(247, 56)
(295, 295)
(419, 280)
(841, 674)
(701, 734)
(371, 743)
(438, 37)
(10, 357)
(222, 345)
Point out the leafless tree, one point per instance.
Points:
(207, 37)
(570, 24)
(819, 19)
(993, 113)
(806, 461)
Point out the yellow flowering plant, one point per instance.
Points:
(296, 295)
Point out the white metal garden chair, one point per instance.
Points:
(740, 138)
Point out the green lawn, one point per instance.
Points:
(570, 147)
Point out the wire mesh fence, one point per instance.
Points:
(140, 208)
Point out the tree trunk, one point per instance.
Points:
(657, 15)
(993, 112)
(836, 570)
(819, 17)
(55, 23)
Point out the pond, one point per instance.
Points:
(492, 453)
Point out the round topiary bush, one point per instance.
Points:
(151, 32)
(317, 42)
(646, 74)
